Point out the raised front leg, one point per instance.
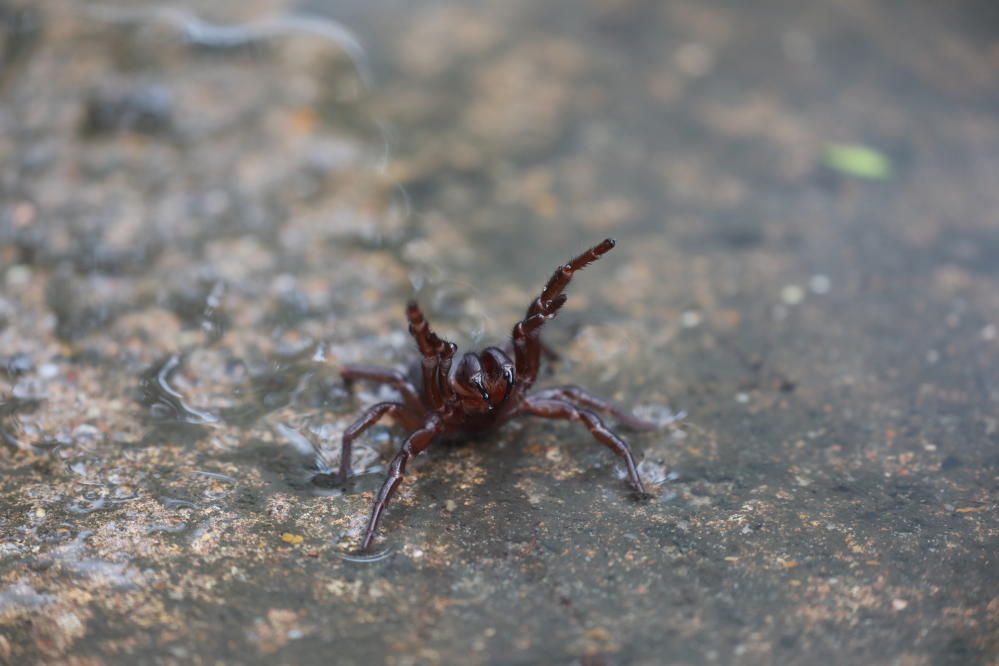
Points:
(527, 344)
(406, 418)
(581, 396)
(437, 354)
(526, 334)
(394, 378)
(550, 408)
(415, 443)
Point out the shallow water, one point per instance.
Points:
(204, 214)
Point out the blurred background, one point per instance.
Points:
(206, 209)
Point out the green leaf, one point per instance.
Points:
(857, 160)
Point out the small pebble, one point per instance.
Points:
(18, 275)
(690, 319)
(819, 284)
(70, 624)
(792, 294)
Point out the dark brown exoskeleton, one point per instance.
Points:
(482, 391)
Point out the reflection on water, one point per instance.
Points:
(364, 558)
(201, 33)
(166, 403)
(217, 485)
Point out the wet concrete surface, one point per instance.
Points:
(199, 226)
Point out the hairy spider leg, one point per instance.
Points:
(526, 334)
(401, 413)
(563, 275)
(578, 395)
(432, 348)
(415, 443)
(393, 378)
(426, 340)
(559, 409)
(527, 346)
(444, 371)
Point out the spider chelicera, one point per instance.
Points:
(482, 391)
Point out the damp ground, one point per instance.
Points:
(205, 214)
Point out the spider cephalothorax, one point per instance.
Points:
(481, 391)
(488, 377)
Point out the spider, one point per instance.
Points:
(482, 391)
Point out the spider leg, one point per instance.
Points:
(398, 411)
(394, 378)
(415, 443)
(580, 396)
(437, 354)
(550, 408)
(527, 345)
(527, 334)
(426, 339)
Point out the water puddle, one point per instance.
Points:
(88, 502)
(165, 403)
(71, 557)
(318, 449)
(205, 34)
(213, 486)
(660, 415)
(170, 525)
(174, 503)
(364, 558)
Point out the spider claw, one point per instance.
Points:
(477, 383)
(508, 376)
